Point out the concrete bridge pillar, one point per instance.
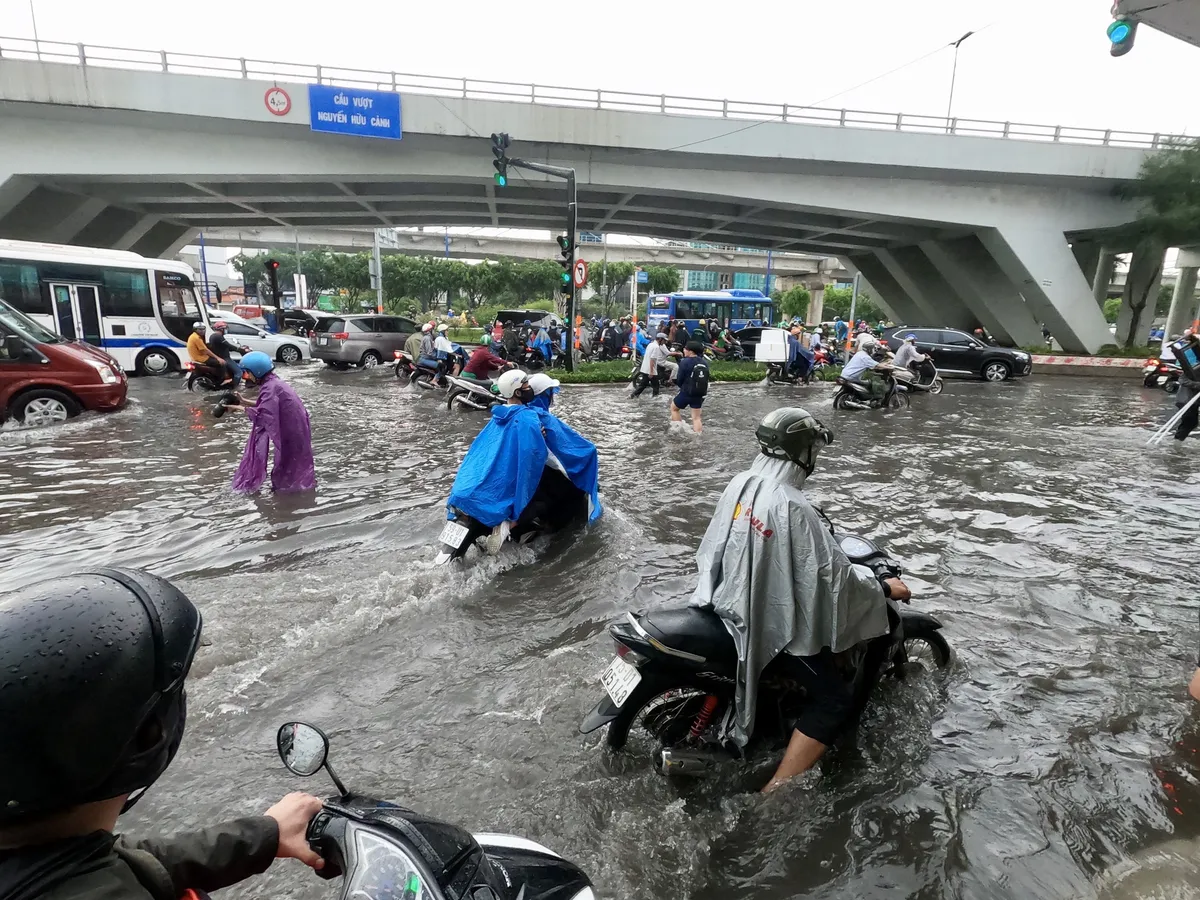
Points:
(1183, 301)
(1103, 275)
(1087, 254)
(922, 281)
(886, 290)
(1141, 292)
(1038, 262)
(816, 304)
(985, 289)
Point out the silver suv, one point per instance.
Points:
(359, 340)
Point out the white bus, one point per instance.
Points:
(140, 311)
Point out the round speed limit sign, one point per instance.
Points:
(580, 273)
(277, 101)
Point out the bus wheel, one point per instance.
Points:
(155, 361)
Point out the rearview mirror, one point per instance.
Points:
(302, 747)
(14, 347)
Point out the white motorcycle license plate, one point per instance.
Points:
(453, 535)
(619, 680)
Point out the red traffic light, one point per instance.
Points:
(272, 264)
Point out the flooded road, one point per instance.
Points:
(1027, 515)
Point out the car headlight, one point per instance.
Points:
(1021, 356)
(107, 375)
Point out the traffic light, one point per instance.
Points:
(1121, 33)
(500, 144)
(566, 246)
(273, 275)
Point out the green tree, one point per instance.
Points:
(1112, 309)
(1169, 185)
(351, 274)
(481, 281)
(837, 303)
(794, 302)
(608, 278)
(663, 279)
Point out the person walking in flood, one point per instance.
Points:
(278, 418)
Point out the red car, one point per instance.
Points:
(45, 379)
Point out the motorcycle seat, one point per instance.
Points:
(692, 630)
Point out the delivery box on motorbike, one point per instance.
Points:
(773, 347)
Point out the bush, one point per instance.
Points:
(618, 370)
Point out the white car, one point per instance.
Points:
(285, 348)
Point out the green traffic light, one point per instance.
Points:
(501, 180)
(566, 277)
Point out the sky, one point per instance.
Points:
(1042, 63)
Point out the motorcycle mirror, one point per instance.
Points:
(304, 749)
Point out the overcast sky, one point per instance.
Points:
(1044, 62)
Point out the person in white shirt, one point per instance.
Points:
(655, 363)
(908, 355)
(860, 366)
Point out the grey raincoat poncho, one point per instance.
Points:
(772, 571)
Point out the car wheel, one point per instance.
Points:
(43, 406)
(370, 360)
(289, 353)
(996, 371)
(156, 361)
(334, 364)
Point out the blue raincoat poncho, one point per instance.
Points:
(504, 464)
(542, 343)
(642, 342)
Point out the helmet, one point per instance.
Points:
(91, 694)
(198, 327)
(527, 322)
(910, 337)
(219, 325)
(426, 328)
(541, 382)
(257, 363)
(511, 382)
(443, 327)
(868, 342)
(794, 434)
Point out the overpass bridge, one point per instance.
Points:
(793, 266)
(951, 221)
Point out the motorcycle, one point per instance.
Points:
(676, 670)
(732, 353)
(387, 852)
(472, 393)
(556, 504)
(852, 395)
(1161, 373)
(925, 380)
(405, 366)
(204, 379)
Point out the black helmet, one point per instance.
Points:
(795, 434)
(92, 703)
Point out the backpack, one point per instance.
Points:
(697, 385)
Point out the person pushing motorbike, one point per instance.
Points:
(771, 569)
(88, 728)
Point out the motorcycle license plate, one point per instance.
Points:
(453, 535)
(619, 680)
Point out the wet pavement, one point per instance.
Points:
(1028, 515)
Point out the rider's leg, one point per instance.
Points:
(828, 712)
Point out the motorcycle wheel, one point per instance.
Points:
(667, 715)
(452, 396)
(1171, 387)
(839, 400)
(938, 386)
(927, 649)
(202, 385)
(899, 400)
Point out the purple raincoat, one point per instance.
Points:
(278, 417)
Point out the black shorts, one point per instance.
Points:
(682, 401)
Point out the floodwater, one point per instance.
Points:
(1055, 759)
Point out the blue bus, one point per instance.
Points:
(738, 308)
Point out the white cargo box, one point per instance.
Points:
(773, 347)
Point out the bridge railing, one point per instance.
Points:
(551, 95)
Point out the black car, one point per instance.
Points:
(955, 352)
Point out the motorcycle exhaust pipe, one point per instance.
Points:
(685, 764)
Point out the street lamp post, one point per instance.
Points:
(953, 77)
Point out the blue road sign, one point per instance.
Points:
(643, 277)
(343, 110)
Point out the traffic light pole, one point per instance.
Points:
(572, 225)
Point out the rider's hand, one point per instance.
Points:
(899, 590)
(293, 813)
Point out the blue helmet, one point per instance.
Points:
(257, 364)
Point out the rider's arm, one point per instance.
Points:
(214, 858)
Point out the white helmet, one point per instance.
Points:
(867, 342)
(443, 327)
(542, 382)
(510, 382)
(426, 328)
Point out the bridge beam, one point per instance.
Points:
(13, 189)
(890, 293)
(160, 238)
(931, 289)
(38, 215)
(1038, 261)
(986, 290)
(929, 312)
(69, 225)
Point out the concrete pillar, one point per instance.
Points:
(1141, 292)
(1104, 274)
(1041, 266)
(1183, 301)
(1087, 254)
(985, 289)
(921, 281)
(901, 307)
(816, 304)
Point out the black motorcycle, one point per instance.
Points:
(675, 674)
(853, 395)
(387, 852)
(205, 379)
(555, 505)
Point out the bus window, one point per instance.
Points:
(177, 303)
(683, 310)
(723, 312)
(660, 301)
(126, 293)
(19, 287)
